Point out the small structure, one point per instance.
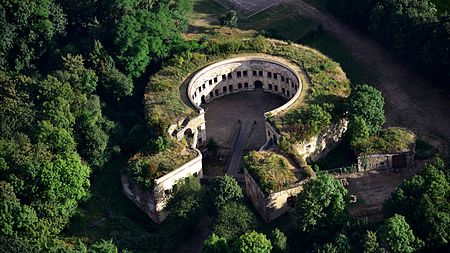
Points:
(272, 183)
(151, 192)
(392, 149)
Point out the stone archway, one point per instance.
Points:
(258, 85)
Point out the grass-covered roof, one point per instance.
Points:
(144, 169)
(272, 171)
(389, 140)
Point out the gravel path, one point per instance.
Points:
(410, 100)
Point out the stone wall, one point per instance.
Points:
(241, 74)
(153, 202)
(401, 160)
(318, 146)
(273, 205)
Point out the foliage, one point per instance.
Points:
(215, 244)
(272, 172)
(186, 200)
(305, 122)
(233, 220)
(322, 205)
(423, 200)
(279, 241)
(253, 242)
(424, 150)
(144, 169)
(366, 102)
(225, 190)
(230, 19)
(389, 140)
(398, 237)
(27, 30)
(370, 243)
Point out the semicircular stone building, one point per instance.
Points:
(239, 74)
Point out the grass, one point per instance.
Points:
(389, 140)
(272, 171)
(329, 45)
(281, 21)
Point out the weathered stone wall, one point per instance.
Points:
(153, 202)
(318, 146)
(240, 74)
(385, 161)
(274, 204)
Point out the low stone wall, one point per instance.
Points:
(153, 202)
(319, 146)
(395, 161)
(274, 204)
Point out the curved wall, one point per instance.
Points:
(243, 74)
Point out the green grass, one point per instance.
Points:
(281, 21)
(329, 45)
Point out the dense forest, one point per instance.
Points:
(413, 30)
(72, 78)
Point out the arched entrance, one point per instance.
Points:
(258, 85)
(203, 99)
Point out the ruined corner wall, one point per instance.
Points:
(153, 202)
(274, 204)
(319, 146)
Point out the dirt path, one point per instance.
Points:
(410, 100)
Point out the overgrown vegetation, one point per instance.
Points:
(272, 172)
(389, 140)
(144, 169)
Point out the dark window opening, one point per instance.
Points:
(291, 201)
(230, 87)
(239, 85)
(276, 88)
(282, 78)
(260, 73)
(204, 86)
(275, 76)
(210, 82)
(288, 94)
(224, 77)
(238, 74)
(254, 72)
(270, 86)
(225, 89)
(211, 94)
(269, 74)
(230, 76)
(215, 79)
(246, 85)
(245, 73)
(283, 90)
(216, 92)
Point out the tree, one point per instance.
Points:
(28, 28)
(322, 205)
(397, 236)
(233, 220)
(185, 202)
(367, 104)
(103, 246)
(423, 201)
(370, 243)
(230, 19)
(225, 190)
(215, 244)
(253, 242)
(279, 241)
